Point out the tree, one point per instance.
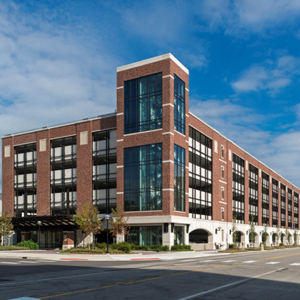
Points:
(252, 230)
(119, 223)
(88, 220)
(287, 234)
(278, 233)
(6, 226)
(234, 230)
(265, 233)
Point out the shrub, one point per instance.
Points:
(165, 248)
(232, 246)
(29, 244)
(123, 246)
(101, 245)
(181, 248)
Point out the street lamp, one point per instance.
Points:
(107, 216)
(39, 223)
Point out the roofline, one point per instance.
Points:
(60, 125)
(228, 140)
(153, 60)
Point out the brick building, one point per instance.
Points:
(179, 180)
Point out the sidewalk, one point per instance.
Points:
(55, 256)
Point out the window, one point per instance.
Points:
(200, 175)
(265, 198)
(222, 151)
(145, 235)
(143, 103)
(253, 193)
(104, 170)
(179, 178)
(63, 175)
(222, 213)
(238, 187)
(222, 172)
(222, 193)
(143, 178)
(179, 105)
(25, 180)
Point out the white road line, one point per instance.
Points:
(228, 285)
(25, 298)
(228, 261)
(272, 263)
(9, 263)
(27, 261)
(249, 262)
(187, 260)
(209, 260)
(295, 264)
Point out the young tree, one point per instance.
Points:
(6, 226)
(234, 230)
(252, 230)
(278, 234)
(295, 236)
(88, 220)
(265, 234)
(119, 223)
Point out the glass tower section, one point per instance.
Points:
(143, 178)
(200, 175)
(274, 202)
(179, 105)
(179, 178)
(143, 104)
(253, 193)
(283, 204)
(238, 189)
(265, 198)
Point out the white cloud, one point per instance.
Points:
(279, 151)
(270, 76)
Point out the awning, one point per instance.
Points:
(47, 223)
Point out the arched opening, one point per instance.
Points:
(201, 239)
(274, 238)
(282, 238)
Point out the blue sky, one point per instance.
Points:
(58, 63)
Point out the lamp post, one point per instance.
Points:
(39, 223)
(107, 216)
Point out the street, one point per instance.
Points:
(251, 275)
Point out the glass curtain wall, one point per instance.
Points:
(265, 198)
(296, 207)
(143, 178)
(200, 175)
(238, 189)
(274, 202)
(179, 178)
(290, 213)
(104, 170)
(179, 105)
(63, 175)
(253, 193)
(282, 205)
(25, 180)
(143, 103)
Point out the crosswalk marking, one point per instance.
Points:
(229, 261)
(27, 261)
(9, 263)
(272, 263)
(295, 264)
(249, 262)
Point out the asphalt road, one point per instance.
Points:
(260, 275)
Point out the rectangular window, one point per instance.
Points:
(222, 193)
(274, 202)
(222, 151)
(143, 178)
(143, 103)
(222, 172)
(145, 235)
(179, 178)
(283, 205)
(223, 213)
(179, 105)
